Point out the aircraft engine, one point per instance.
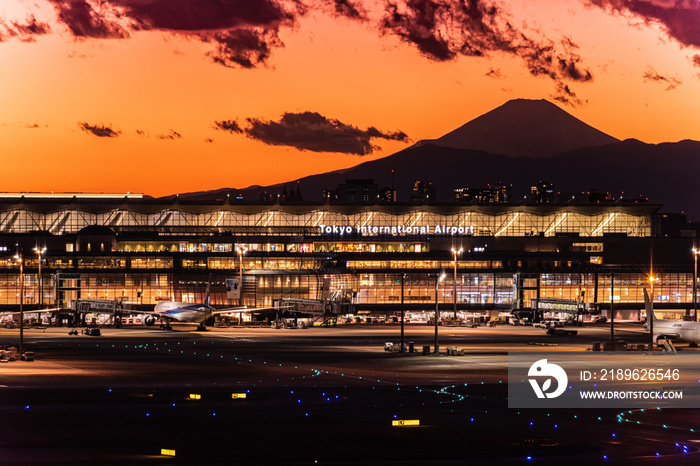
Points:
(149, 320)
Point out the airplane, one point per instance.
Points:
(171, 311)
(679, 330)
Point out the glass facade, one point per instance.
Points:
(142, 252)
(370, 221)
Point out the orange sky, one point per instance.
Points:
(157, 80)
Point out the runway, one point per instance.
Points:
(318, 394)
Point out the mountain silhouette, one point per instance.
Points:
(522, 127)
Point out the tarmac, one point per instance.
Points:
(312, 396)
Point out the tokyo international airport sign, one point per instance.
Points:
(603, 380)
(396, 230)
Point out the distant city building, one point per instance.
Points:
(292, 194)
(423, 192)
(387, 195)
(543, 193)
(357, 191)
(267, 197)
(496, 194)
(466, 195)
(595, 196)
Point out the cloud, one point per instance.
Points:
(347, 9)
(696, 61)
(75, 54)
(91, 20)
(244, 47)
(679, 18)
(32, 126)
(99, 130)
(141, 132)
(494, 73)
(171, 135)
(244, 32)
(443, 30)
(566, 96)
(209, 140)
(231, 126)
(652, 75)
(312, 131)
(24, 31)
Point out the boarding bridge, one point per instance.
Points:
(313, 307)
(113, 307)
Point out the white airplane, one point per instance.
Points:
(171, 311)
(678, 330)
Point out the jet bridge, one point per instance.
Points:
(113, 307)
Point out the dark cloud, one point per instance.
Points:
(209, 140)
(494, 73)
(231, 126)
(566, 96)
(443, 30)
(312, 131)
(347, 9)
(171, 135)
(652, 75)
(207, 15)
(141, 132)
(246, 48)
(32, 126)
(545, 59)
(696, 61)
(85, 21)
(244, 32)
(24, 31)
(99, 130)
(31, 28)
(679, 18)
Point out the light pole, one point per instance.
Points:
(403, 314)
(240, 250)
(650, 317)
(41, 278)
(18, 257)
(695, 284)
(438, 279)
(612, 310)
(455, 253)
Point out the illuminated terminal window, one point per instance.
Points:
(101, 262)
(152, 263)
(370, 247)
(587, 247)
(194, 263)
(222, 263)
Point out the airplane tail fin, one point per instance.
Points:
(206, 296)
(647, 305)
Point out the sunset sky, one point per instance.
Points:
(167, 96)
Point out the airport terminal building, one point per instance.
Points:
(371, 259)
